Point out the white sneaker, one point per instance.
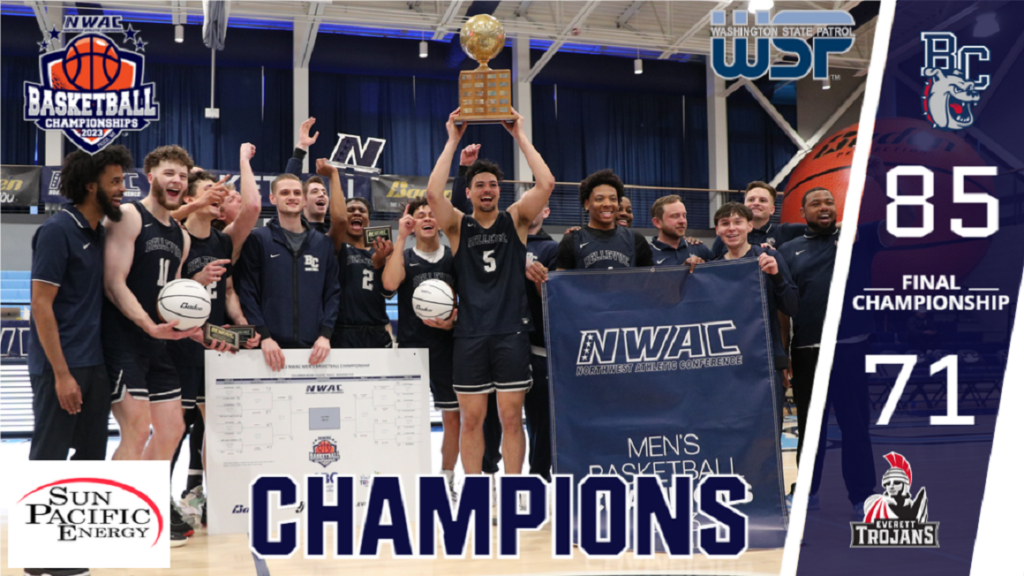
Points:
(450, 477)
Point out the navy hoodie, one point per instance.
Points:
(783, 296)
(292, 298)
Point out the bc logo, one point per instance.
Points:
(950, 89)
(829, 32)
(93, 89)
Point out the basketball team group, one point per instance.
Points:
(310, 280)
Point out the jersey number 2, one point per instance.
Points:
(367, 280)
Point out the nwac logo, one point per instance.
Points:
(829, 32)
(92, 89)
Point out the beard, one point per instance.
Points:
(671, 233)
(160, 195)
(107, 205)
(819, 229)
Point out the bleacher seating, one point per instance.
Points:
(15, 287)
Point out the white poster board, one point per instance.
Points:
(360, 412)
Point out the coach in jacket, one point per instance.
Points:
(288, 279)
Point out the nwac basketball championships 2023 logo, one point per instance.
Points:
(92, 89)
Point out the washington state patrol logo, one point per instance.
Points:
(325, 451)
(952, 88)
(91, 89)
(895, 519)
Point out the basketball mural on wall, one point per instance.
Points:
(92, 89)
(899, 142)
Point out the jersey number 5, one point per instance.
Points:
(489, 264)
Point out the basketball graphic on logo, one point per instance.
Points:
(92, 63)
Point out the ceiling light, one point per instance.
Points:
(760, 5)
(423, 48)
(179, 33)
(827, 84)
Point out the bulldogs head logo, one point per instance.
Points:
(951, 91)
(92, 89)
(948, 100)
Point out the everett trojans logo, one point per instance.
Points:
(325, 451)
(894, 519)
(950, 89)
(91, 89)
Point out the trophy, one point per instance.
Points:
(485, 95)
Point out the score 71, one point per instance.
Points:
(947, 363)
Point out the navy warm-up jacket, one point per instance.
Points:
(292, 298)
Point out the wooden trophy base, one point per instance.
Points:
(485, 97)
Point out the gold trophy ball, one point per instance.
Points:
(482, 38)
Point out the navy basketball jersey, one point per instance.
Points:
(491, 265)
(412, 332)
(202, 251)
(363, 297)
(158, 249)
(592, 251)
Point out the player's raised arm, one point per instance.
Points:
(294, 164)
(535, 199)
(251, 202)
(448, 218)
(339, 208)
(394, 269)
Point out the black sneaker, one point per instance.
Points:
(203, 520)
(178, 524)
(178, 539)
(56, 572)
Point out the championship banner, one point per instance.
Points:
(391, 193)
(137, 184)
(19, 185)
(666, 372)
(922, 306)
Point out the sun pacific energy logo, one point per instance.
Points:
(92, 89)
(79, 509)
(951, 88)
(806, 37)
(895, 519)
(657, 348)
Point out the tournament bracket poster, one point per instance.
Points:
(924, 331)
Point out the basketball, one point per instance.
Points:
(186, 301)
(91, 63)
(433, 299)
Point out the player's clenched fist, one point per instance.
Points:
(768, 264)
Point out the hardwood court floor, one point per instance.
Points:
(228, 555)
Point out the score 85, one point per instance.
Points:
(960, 196)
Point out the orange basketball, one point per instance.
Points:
(91, 63)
